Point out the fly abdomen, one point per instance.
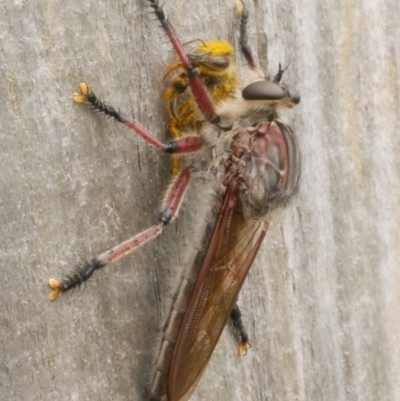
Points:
(180, 300)
(172, 324)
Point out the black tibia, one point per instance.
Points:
(80, 275)
(75, 279)
(238, 329)
(102, 108)
(244, 46)
(159, 12)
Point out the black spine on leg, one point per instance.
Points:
(102, 108)
(244, 46)
(159, 12)
(81, 274)
(237, 326)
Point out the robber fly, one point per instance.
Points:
(251, 164)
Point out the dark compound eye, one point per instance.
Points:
(294, 94)
(263, 90)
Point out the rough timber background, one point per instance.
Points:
(322, 302)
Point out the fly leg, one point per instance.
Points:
(238, 330)
(170, 209)
(179, 146)
(198, 88)
(244, 46)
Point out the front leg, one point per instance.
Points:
(197, 86)
(188, 144)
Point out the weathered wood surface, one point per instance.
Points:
(322, 302)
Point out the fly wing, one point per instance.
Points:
(233, 246)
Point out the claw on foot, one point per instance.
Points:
(239, 8)
(84, 92)
(56, 289)
(242, 348)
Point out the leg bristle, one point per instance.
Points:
(79, 276)
(238, 331)
(86, 95)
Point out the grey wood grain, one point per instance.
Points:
(322, 301)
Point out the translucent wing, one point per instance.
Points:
(233, 246)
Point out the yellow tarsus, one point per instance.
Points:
(239, 8)
(84, 92)
(55, 287)
(242, 348)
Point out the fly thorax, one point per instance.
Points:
(267, 178)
